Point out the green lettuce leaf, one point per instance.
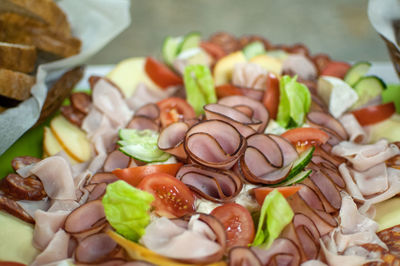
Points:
(199, 85)
(275, 214)
(127, 209)
(392, 94)
(294, 104)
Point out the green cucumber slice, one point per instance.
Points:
(368, 88)
(296, 179)
(141, 145)
(170, 48)
(356, 72)
(191, 40)
(253, 49)
(300, 163)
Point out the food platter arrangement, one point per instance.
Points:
(223, 151)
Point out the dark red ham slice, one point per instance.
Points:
(288, 150)
(149, 110)
(86, 220)
(95, 248)
(308, 235)
(211, 184)
(102, 177)
(327, 188)
(236, 118)
(260, 113)
(268, 147)
(116, 159)
(171, 139)
(243, 256)
(142, 122)
(214, 143)
(283, 251)
(97, 191)
(322, 119)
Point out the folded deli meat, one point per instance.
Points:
(224, 151)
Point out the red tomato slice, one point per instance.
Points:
(306, 135)
(161, 74)
(174, 109)
(238, 224)
(213, 49)
(134, 175)
(261, 192)
(374, 114)
(336, 69)
(272, 95)
(227, 90)
(172, 197)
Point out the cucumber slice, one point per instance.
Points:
(191, 40)
(253, 49)
(368, 88)
(170, 48)
(300, 163)
(296, 179)
(356, 72)
(141, 145)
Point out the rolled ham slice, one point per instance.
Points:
(116, 159)
(283, 251)
(322, 119)
(140, 122)
(260, 113)
(211, 184)
(355, 131)
(149, 110)
(95, 248)
(214, 143)
(239, 256)
(249, 75)
(171, 139)
(103, 177)
(300, 65)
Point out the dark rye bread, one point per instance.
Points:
(17, 57)
(15, 85)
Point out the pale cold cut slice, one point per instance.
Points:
(239, 256)
(172, 137)
(260, 113)
(214, 143)
(211, 184)
(243, 123)
(249, 75)
(86, 220)
(283, 251)
(300, 65)
(95, 248)
(116, 159)
(322, 119)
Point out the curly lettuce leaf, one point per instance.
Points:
(127, 209)
(275, 214)
(294, 104)
(199, 85)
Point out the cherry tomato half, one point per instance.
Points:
(134, 175)
(238, 224)
(172, 197)
(161, 74)
(261, 192)
(336, 69)
(306, 135)
(272, 95)
(175, 109)
(374, 114)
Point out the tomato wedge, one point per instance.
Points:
(374, 114)
(134, 175)
(261, 192)
(174, 109)
(271, 95)
(213, 49)
(306, 135)
(172, 197)
(336, 69)
(227, 90)
(161, 74)
(238, 224)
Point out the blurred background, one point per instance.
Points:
(339, 28)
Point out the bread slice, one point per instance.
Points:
(17, 57)
(47, 10)
(15, 85)
(15, 28)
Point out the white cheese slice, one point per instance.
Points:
(337, 94)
